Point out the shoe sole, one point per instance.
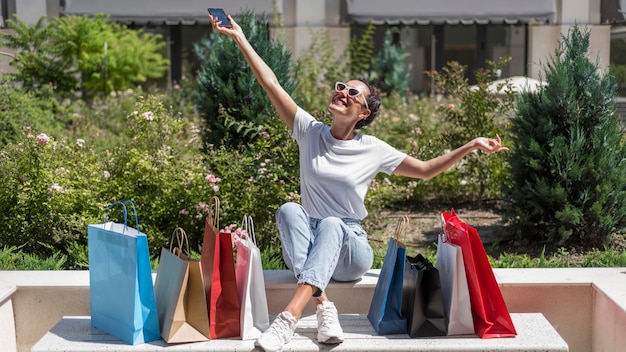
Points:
(331, 340)
(267, 349)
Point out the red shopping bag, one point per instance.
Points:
(489, 311)
(218, 267)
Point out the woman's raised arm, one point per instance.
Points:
(282, 101)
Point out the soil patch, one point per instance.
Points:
(425, 226)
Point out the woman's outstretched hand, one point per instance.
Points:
(490, 145)
(231, 32)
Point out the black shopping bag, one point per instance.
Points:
(422, 299)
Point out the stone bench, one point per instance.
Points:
(534, 334)
(586, 306)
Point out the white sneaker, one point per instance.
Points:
(328, 329)
(278, 334)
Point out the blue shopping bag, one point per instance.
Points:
(121, 293)
(385, 312)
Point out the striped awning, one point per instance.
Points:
(157, 12)
(425, 12)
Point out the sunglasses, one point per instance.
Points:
(352, 92)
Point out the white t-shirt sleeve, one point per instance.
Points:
(301, 123)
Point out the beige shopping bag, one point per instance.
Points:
(179, 289)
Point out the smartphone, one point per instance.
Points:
(220, 16)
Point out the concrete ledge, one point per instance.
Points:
(7, 323)
(534, 334)
(586, 306)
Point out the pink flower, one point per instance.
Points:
(55, 188)
(183, 212)
(210, 178)
(416, 130)
(148, 116)
(451, 106)
(43, 139)
(216, 188)
(202, 207)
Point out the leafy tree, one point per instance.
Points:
(80, 54)
(36, 61)
(568, 171)
(392, 73)
(226, 82)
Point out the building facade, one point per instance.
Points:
(433, 32)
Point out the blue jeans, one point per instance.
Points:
(320, 249)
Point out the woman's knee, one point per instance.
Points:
(355, 273)
(289, 210)
(331, 222)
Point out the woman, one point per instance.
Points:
(323, 237)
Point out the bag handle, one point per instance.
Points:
(248, 225)
(181, 239)
(401, 229)
(213, 218)
(125, 212)
(442, 232)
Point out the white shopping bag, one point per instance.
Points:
(254, 316)
(456, 299)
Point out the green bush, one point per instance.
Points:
(13, 258)
(567, 168)
(55, 188)
(256, 180)
(20, 109)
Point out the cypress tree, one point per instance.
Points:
(568, 164)
(233, 104)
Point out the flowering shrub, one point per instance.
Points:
(55, 188)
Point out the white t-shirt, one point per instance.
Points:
(335, 174)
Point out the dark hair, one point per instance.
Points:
(373, 102)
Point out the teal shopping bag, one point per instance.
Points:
(121, 292)
(385, 312)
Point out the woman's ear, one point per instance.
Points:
(365, 114)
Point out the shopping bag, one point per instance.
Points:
(221, 288)
(179, 288)
(254, 315)
(489, 311)
(385, 312)
(422, 300)
(456, 299)
(121, 293)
